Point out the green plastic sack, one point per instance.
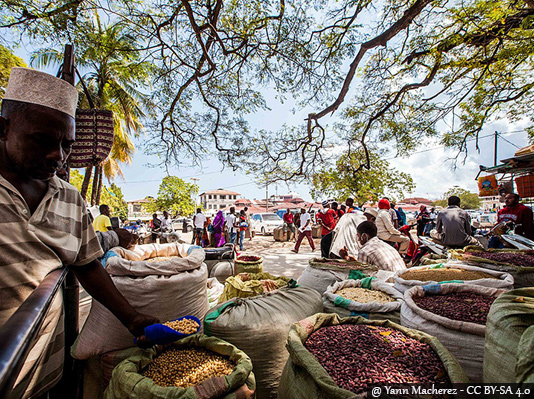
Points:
(304, 378)
(126, 382)
(508, 353)
(243, 266)
(234, 287)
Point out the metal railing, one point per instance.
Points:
(21, 331)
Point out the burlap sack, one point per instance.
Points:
(504, 280)
(127, 383)
(508, 349)
(235, 287)
(166, 290)
(304, 377)
(464, 340)
(259, 326)
(319, 275)
(372, 310)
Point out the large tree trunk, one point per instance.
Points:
(96, 182)
(86, 181)
(99, 192)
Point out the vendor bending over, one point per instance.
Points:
(375, 251)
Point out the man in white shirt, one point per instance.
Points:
(198, 222)
(305, 230)
(231, 225)
(165, 221)
(386, 230)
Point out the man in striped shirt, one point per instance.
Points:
(44, 219)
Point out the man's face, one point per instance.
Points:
(362, 238)
(38, 142)
(510, 200)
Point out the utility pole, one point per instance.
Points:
(266, 196)
(495, 149)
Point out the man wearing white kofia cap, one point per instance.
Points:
(46, 219)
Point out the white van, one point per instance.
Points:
(265, 223)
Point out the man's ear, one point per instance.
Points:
(3, 128)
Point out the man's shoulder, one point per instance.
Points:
(67, 191)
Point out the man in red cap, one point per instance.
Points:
(386, 230)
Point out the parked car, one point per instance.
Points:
(265, 223)
(178, 224)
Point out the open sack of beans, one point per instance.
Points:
(167, 290)
(369, 298)
(519, 263)
(194, 367)
(337, 358)
(452, 272)
(456, 315)
(509, 346)
(259, 326)
(248, 264)
(245, 285)
(321, 272)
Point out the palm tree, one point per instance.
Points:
(114, 73)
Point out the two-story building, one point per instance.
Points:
(214, 200)
(137, 211)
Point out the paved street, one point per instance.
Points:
(277, 256)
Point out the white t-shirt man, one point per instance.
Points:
(230, 223)
(200, 219)
(305, 218)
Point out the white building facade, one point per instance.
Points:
(215, 200)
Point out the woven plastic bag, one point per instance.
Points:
(305, 378)
(127, 383)
(463, 339)
(508, 349)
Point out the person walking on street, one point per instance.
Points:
(218, 229)
(248, 231)
(423, 217)
(242, 222)
(102, 222)
(231, 225)
(305, 230)
(289, 223)
(198, 223)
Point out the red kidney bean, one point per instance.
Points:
(461, 306)
(357, 356)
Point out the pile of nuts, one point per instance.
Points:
(184, 326)
(357, 356)
(519, 259)
(461, 306)
(187, 367)
(444, 274)
(364, 295)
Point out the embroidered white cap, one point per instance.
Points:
(40, 88)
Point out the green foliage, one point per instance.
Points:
(174, 196)
(8, 60)
(415, 67)
(111, 196)
(468, 199)
(343, 181)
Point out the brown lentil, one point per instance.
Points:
(184, 326)
(357, 356)
(445, 274)
(364, 295)
(461, 306)
(186, 367)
